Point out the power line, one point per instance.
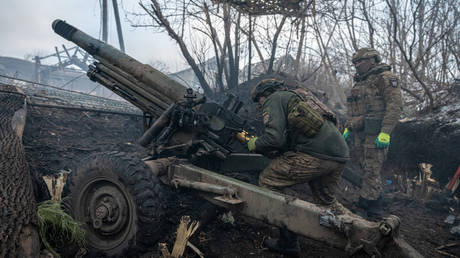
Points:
(72, 80)
(97, 86)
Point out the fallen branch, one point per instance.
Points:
(446, 246)
(184, 232)
(438, 249)
(194, 248)
(446, 254)
(164, 250)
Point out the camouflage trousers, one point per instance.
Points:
(371, 161)
(292, 168)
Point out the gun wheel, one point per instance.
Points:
(119, 203)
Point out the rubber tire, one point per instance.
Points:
(142, 191)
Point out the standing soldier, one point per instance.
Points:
(374, 107)
(309, 146)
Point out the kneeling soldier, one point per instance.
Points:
(310, 148)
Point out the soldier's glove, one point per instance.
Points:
(252, 144)
(346, 134)
(383, 140)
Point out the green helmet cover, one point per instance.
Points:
(263, 86)
(366, 53)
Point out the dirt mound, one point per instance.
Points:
(433, 139)
(58, 139)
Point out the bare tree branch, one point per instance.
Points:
(165, 23)
(414, 71)
(274, 44)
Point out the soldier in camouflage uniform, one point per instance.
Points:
(374, 107)
(310, 149)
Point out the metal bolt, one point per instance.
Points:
(101, 212)
(97, 223)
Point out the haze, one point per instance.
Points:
(25, 30)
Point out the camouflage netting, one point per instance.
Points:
(264, 7)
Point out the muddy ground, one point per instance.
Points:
(57, 139)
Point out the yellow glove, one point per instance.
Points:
(243, 136)
(346, 134)
(252, 144)
(383, 140)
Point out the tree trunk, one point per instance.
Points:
(231, 59)
(254, 43)
(369, 23)
(351, 25)
(274, 45)
(216, 44)
(337, 96)
(249, 48)
(236, 65)
(18, 213)
(299, 49)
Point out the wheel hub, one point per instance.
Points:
(107, 209)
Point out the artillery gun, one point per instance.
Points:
(119, 199)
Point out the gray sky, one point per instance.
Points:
(25, 29)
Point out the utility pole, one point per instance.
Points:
(249, 48)
(105, 19)
(105, 31)
(117, 20)
(37, 71)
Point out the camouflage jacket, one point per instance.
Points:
(375, 98)
(328, 143)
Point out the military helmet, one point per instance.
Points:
(365, 53)
(264, 86)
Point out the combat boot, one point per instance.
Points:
(361, 207)
(287, 244)
(374, 212)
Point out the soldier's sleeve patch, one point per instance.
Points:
(394, 83)
(266, 117)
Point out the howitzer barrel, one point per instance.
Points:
(140, 84)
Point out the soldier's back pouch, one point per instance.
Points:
(302, 118)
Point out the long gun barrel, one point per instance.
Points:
(145, 87)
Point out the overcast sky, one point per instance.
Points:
(25, 29)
